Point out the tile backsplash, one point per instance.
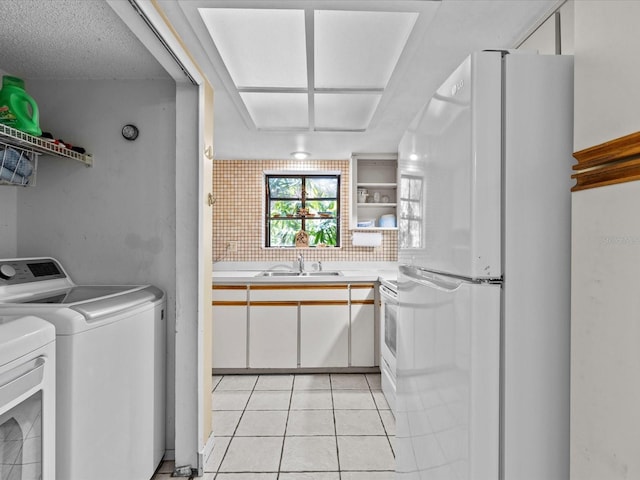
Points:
(238, 215)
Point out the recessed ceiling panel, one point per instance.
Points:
(260, 47)
(356, 49)
(277, 110)
(344, 111)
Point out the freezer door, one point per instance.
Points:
(447, 406)
(450, 175)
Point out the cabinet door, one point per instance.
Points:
(324, 335)
(229, 336)
(362, 335)
(273, 336)
(364, 349)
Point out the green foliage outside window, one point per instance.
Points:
(287, 195)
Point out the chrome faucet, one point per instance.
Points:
(301, 262)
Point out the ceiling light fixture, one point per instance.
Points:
(299, 155)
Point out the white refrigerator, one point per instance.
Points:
(484, 282)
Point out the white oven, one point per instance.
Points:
(27, 398)
(388, 339)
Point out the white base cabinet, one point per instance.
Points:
(285, 326)
(363, 335)
(229, 314)
(324, 335)
(364, 347)
(273, 336)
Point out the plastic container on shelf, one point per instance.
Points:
(387, 221)
(17, 109)
(366, 223)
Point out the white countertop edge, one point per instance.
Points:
(368, 272)
(309, 261)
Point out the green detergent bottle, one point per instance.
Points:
(17, 109)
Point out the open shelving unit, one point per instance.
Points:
(377, 173)
(33, 147)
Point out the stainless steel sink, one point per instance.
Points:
(299, 274)
(320, 274)
(277, 274)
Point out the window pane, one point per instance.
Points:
(410, 235)
(416, 189)
(282, 232)
(284, 207)
(323, 231)
(322, 187)
(285, 187)
(328, 206)
(405, 187)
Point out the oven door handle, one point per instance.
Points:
(24, 383)
(387, 293)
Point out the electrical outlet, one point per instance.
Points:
(232, 247)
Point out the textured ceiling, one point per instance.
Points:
(60, 39)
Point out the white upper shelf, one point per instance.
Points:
(37, 144)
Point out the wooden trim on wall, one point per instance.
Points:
(363, 302)
(609, 163)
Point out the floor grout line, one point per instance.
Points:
(286, 425)
(291, 390)
(226, 450)
(335, 427)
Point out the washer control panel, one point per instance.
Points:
(14, 272)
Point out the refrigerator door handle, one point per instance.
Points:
(432, 280)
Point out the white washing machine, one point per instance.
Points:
(27, 399)
(110, 368)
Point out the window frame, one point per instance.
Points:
(303, 199)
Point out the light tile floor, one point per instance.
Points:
(299, 427)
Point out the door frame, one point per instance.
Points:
(189, 439)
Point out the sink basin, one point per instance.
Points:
(299, 274)
(319, 274)
(277, 274)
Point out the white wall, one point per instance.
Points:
(607, 46)
(605, 391)
(8, 216)
(543, 40)
(114, 222)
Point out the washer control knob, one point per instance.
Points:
(7, 272)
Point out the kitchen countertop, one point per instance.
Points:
(350, 274)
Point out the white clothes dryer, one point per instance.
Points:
(111, 367)
(27, 399)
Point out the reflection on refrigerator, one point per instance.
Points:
(484, 236)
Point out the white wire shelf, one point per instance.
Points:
(37, 144)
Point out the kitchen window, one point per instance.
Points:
(298, 202)
(410, 212)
